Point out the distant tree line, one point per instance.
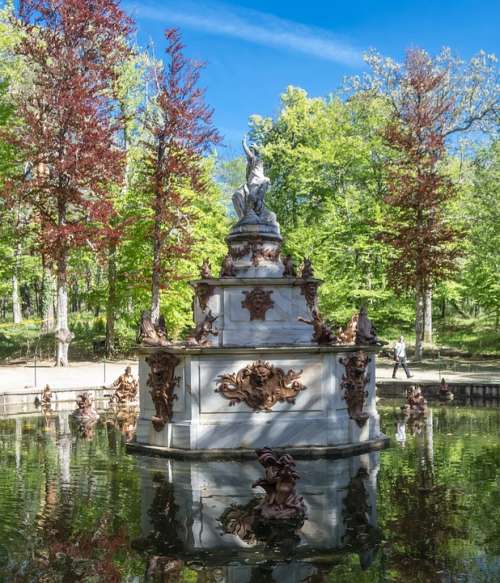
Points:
(111, 194)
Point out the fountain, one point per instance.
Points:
(261, 368)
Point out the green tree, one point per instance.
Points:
(325, 158)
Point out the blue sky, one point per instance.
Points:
(254, 50)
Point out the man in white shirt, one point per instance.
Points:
(400, 358)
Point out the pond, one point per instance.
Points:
(77, 507)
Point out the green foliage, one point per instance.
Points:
(324, 158)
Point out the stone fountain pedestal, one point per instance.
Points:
(204, 422)
(261, 368)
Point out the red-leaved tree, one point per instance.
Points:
(430, 99)
(422, 240)
(179, 132)
(68, 128)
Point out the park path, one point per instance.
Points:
(95, 374)
(76, 375)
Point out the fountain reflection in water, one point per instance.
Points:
(202, 512)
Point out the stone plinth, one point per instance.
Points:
(203, 420)
(261, 311)
(184, 504)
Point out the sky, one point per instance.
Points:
(254, 49)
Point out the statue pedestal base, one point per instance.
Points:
(313, 416)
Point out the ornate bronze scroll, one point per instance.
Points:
(257, 302)
(203, 291)
(309, 289)
(353, 384)
(260, 253)
(162, 381)
(260, 385)
(257, 251)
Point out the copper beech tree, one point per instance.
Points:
(430, 100)
(68, 129)
(179, 128)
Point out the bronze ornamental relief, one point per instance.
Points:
(162, 381)
(354, 383)
(260, 385)
(257, 302)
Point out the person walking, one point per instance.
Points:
(400, 358)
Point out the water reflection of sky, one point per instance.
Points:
(75, 508)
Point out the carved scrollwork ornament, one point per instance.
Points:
(354, 383)
(309, 289)
(258, 253)
(162, 381)
(257, 302)
(203, 291)
(260, 385)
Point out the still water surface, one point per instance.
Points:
(78, 508)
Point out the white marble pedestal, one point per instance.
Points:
(204, 423)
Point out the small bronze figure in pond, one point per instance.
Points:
(322, 334)
(445, 393)
(347, 335)
(46, 400)
(125, 388)
(415, 402)
(200, 335)
(228, 269)
(307, 269)
(289, 268)
(206, 269)
(281, 501)
(85, 409)
(150, 334)
(365, 331)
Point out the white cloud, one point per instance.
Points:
(249, 25)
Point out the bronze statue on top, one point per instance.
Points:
(150, 334)
(248, 200)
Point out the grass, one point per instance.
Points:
(23, 341)
(474, 335)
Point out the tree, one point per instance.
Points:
(481, 268)
(179, 131)
(431, 100)
(67, 128)
(324, 158)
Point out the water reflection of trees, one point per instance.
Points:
(70, 525)
(424, 515)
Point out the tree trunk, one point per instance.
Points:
(155, 280)
(428, 316)
(111, 303)
(16, 300)
(63, 334)
(419, 323)
(47, 301)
